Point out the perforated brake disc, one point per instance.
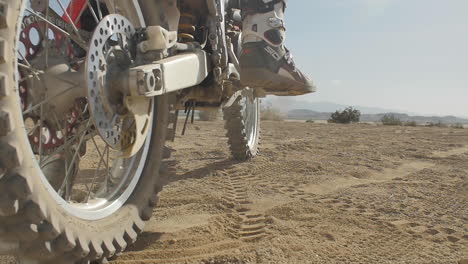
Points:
(122, 120)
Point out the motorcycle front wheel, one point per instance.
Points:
(242, 124)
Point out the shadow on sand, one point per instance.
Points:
(145, 240)
(207, 170)
(148, 239)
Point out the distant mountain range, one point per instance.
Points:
(286, 104)
(303, 110)
(304, 114)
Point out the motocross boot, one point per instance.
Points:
(265, 62)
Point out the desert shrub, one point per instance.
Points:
(272, 114)
(441, 125)
(310, 121)
(208, 115)
(411, 123)
(438, 124)
(347, 116)
(391, 120)
(458, 126)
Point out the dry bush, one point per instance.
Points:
(272, 114)
(438, 124)
(411, 123)
(347, 116)
(209, 115)
(458, 126)
(391, 120)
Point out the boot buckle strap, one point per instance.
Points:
(276, 22)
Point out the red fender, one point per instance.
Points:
(74, 10)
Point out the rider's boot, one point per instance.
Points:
(265, 62)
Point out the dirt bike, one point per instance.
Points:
(90, 91)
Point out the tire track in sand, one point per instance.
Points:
(178, 255)
(198, 236)
(403, 171)
(248, 224)
(449, 153)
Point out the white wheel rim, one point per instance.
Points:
(94, 208)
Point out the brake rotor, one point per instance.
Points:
(121, 123)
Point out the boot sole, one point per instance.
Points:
(274, 84)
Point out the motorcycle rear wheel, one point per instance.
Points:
(39, 225)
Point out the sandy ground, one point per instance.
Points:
(317, 193)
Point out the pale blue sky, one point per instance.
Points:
(410, 55)
(400, 54)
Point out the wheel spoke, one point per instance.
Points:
(108, 173)
(90, 189)
(72, 23)
(27, 77)
(40, 134)
(98, 4)
(28, 66)
(77, 19)
(101, 155)
(46, 34)
(71, 6)
(106, 162)
(47, 100)
(57, 122)
(75, 155)
(29, 132)
(68, 143)
(92, 11)
(73, 37)
(35, 73)
(48, 22)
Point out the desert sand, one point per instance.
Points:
(317, 193)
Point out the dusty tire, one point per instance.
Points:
(243, 133)
(33, 226)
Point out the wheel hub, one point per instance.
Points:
(108, 57)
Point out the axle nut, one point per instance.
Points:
(150, 82)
